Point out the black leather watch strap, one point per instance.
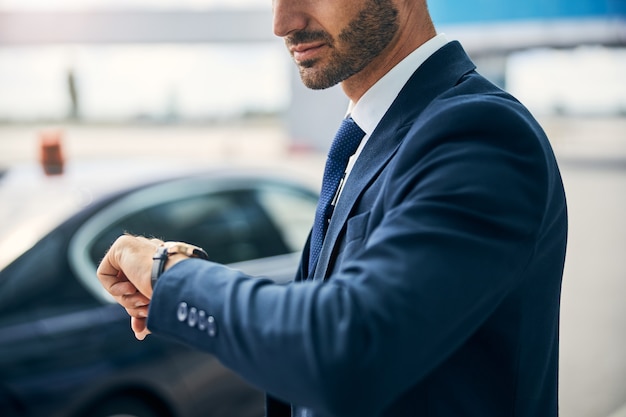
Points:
(159, 258)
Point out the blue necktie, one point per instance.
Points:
(343, 147)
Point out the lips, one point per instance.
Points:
(306, 51)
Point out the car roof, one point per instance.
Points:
(34, 203)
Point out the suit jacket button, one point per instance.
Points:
(211, 326)
(181, 313)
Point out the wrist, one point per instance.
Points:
(173, 259)
(170, 253)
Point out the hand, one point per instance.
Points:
(125, 274)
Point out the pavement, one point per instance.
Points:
(592, 155)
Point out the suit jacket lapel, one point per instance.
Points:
(373, 158)
(439, 73)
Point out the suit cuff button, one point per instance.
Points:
(182, 312)
(202, 320)
(211, 326)
(192, 317)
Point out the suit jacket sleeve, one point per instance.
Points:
(457, 223)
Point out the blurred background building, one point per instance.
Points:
(201, 61)
(207, 79)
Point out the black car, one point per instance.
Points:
(66, 349)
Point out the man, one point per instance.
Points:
(436, 289)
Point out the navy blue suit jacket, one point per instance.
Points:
(437, 289)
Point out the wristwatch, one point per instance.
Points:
(170, 248)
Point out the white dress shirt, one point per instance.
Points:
(373, 105)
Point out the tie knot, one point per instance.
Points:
(346, 140)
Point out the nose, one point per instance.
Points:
(289, 16)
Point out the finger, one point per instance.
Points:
(139, 327)
(128, 260)
(122, 288)
(133, 301)
(138, 312)
(134, 254)
(108, 273)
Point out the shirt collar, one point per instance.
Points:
(373, 105)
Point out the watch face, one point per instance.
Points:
(185, 249)
(200, 253)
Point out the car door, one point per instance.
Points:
(255, 225)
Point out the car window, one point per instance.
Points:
(292, 210)
(230, 225)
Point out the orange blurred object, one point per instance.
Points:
(51, 152)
